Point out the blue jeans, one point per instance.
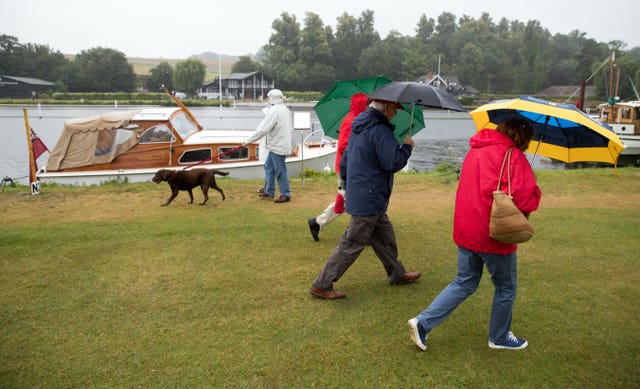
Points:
(504, 275)
(276, 169)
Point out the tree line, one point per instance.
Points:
(508, 56)
(97, 69)
(504, 57)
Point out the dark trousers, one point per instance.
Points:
(376, 231)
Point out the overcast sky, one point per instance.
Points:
(180, 28)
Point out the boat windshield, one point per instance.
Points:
(183, 125)
(156, 134)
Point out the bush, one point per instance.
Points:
(111, 96)
(302, 96)
(466, 100)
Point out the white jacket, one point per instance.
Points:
(276, 126)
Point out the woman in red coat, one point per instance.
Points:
(358, 104)
(478, 180)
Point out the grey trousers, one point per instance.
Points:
(376, 231)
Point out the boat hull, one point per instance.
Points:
(631, 144)
(313, 158)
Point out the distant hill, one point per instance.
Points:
(208, 56)
(141, 66)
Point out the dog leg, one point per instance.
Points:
(219, 190)
(205, 193)
(174, 193)
(214, 184)
(190, 196)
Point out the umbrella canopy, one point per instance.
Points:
(561, 131)
(416, 93)
(335, 104)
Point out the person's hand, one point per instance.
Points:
(409, 141)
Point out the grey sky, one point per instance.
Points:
(178, 29)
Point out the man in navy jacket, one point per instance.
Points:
(367, 168)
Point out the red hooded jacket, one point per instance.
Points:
(478, 180)
(358, 105)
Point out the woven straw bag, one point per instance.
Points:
(507, 223)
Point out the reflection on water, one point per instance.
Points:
(444, 139)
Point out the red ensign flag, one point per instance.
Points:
(37, 145)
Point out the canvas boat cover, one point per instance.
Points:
(93, 140)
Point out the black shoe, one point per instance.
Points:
(282, 199)
(314, 227)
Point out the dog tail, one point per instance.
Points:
(220, 172)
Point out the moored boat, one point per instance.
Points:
(132, 145)
(624, 118)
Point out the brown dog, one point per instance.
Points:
(187, 180)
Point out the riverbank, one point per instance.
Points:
(445, 138)
(103, 287)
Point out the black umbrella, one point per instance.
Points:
(336, 104)
(417, 93)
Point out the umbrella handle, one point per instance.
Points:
(546, 123)
(537, 147)
(410, 120)
(413, 107)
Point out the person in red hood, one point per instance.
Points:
(478, 181)
(335, 209)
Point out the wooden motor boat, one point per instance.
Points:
(132, 145)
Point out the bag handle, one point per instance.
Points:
(507, 155)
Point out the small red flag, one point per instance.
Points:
(37, 145)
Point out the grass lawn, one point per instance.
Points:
(102, 287)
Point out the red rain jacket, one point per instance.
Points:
(478, 180)
(358, 105)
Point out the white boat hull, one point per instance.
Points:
(314, 158)
(631, 144)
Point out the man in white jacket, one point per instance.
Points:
(276, 127)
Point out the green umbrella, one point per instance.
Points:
(335, 105)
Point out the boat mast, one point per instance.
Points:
(617, 84)
(580, 101)
(613, 64)
(220, 79)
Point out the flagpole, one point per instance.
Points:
(32, 165)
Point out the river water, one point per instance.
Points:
(445, 137)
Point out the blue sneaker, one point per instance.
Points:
(418, 335)
(511, 343)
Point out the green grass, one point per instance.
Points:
(102, 287)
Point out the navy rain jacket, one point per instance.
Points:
(367, 166)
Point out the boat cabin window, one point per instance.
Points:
(157, 134)
(109, 140)
(625, 113)
(194, 156)
(242, 153)
(183, 125)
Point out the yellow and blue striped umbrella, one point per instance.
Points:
(561, 131)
